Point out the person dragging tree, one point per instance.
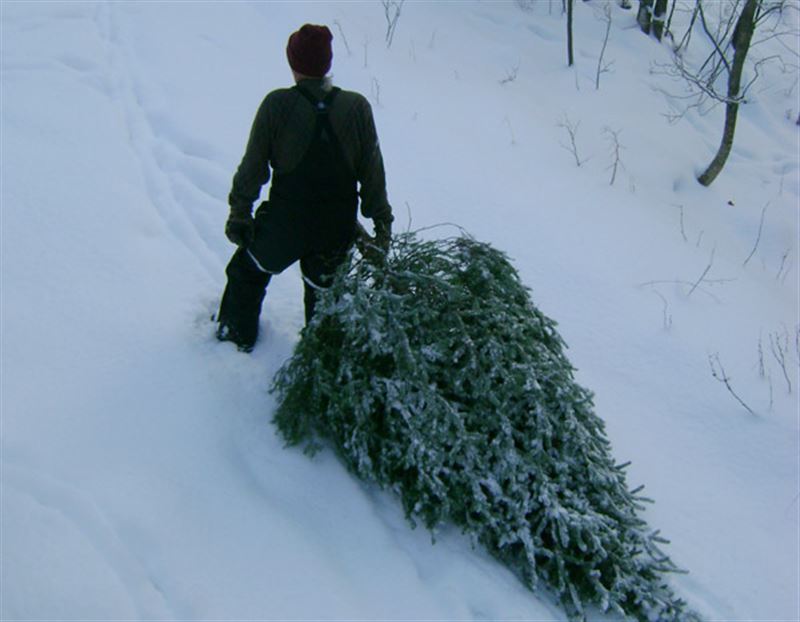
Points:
(321, 145)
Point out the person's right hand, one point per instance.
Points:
(383, 234)
(370, 247)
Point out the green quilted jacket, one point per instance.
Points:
(282, 131)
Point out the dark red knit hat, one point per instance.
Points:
(309, 50)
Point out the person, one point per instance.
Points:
(321, 145)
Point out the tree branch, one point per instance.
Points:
(718, 371)
(758, 237)
(702, 276)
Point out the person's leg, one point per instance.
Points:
(332, 231)
(279, 241)
(240, 308)
(318, 270)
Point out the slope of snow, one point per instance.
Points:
(141, 475)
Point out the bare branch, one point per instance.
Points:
(703, 276)
(758, 238)
(604, 68)
(756, 74)
(667, 316)
(718, 371)
(771, 392)
(432, 42)
(772, 9)
(616, 149)
(683, 230)
(572, 131)
(700, 82)
(705, 79)
(344, 39)
(781, 37)
(797, 343)
(376, 91)
(511, 74)
(688, 34)
(700, 238)
(507, 121)
(779, 344)
(712, 37)
(686, 283)
(783, 263)
(391, 9)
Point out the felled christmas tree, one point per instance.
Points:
(434, 374)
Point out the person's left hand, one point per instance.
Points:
(240, 229)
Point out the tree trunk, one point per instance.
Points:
(645, 15)
(668, 27)
(714, 169)
(659, 18)
(570, 55)
(742, 35)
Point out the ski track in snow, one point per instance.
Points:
(175, 167)
(61, 508)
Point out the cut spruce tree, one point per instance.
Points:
(432, 373)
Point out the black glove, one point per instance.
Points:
(383, 234)
(369, 246)
(240, 228)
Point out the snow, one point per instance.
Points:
(142, 477)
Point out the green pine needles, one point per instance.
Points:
(435, 375)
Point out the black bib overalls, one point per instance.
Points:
(310, 217)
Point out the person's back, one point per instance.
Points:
(318, 144)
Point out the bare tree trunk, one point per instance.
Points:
(658, 18)
(668, 27)
(742, 35)
(570, 55)
(714, 169)
(687, 37)
(645, 15)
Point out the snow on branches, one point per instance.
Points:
(433, 373)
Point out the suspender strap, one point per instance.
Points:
(320, 105)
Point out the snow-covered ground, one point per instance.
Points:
(142, 477)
